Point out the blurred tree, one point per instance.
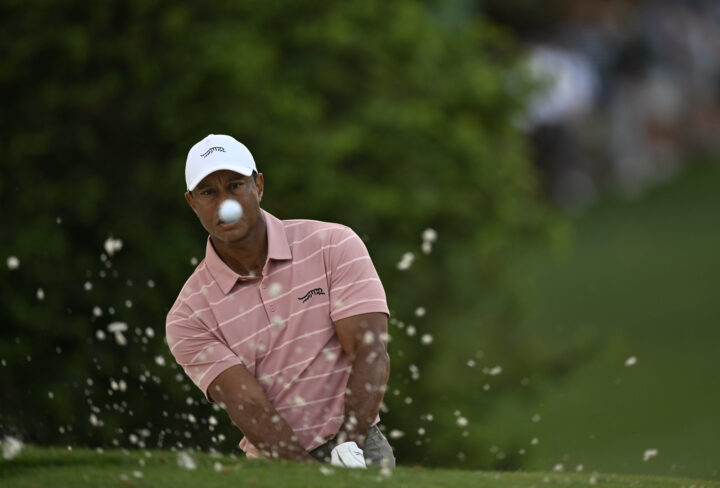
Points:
(374, 114)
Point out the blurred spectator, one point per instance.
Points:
(632, 92)
(568, 93)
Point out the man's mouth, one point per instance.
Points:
(226, 225)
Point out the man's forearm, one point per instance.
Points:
(365, 391)
(267, 430)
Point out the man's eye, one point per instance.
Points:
(236, 185)
(206, 192)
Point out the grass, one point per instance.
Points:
(641, 281)
(56, 468)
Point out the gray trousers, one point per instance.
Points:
(376, 449)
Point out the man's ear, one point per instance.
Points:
(260, 184)
(189, 198)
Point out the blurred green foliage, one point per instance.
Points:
(374, 114)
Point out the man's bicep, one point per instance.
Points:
(354, 284)
(234, 384)
(368, 329)
(202, 355)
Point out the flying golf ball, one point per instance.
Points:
(230, 211)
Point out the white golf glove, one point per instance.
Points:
(348, 455)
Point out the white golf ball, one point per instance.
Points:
(230, 211)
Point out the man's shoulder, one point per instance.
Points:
(193, 291)
(300, 232)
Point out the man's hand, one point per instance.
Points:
(347, 455)
(364, 339)
(251, 411)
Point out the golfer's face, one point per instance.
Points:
(219, 186)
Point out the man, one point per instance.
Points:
(284, 323)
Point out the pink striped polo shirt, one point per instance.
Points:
(280, 325)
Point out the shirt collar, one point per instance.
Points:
(278, 249)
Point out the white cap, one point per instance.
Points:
(214, 153)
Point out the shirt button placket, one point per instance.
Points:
(263, 285)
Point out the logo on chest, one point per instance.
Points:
(308, 295)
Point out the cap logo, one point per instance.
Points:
(212, 150)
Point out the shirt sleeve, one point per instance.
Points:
(355, 287)
(202, 354)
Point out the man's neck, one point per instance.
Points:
(247, 256)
